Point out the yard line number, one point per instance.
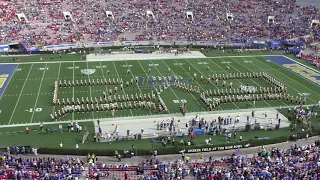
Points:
(18, 69)
(101, 67)
(304, 94)
(226, 62)
(178, 64)
(153, 64)
(247, 61)
(181, 101)
(34, 110)
(75, 67)
(212, 99)
(202, 62)
(127, 65)
(42, 69)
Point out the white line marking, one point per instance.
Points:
(252, 79)
(289, 78)
(163, 116)
(8, 82)
(35, 104)
(136, 84)
(163, 76)
(50, 62)
(54, 107)
(200, 105)
(302, 64)
(24, 84)
(119, 79)
(90, 87)
(73, 88)
(212, 72)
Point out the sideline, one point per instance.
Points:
(85, 61)
(194, 157)
(151, 116)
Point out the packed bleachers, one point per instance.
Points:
(47, 25)
(300, 162)
(14, 167)
(145, 170)
(293, 163)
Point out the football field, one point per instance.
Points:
(27, 89)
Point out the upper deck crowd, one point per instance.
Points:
(46, 24)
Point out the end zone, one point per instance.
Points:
(6, 73)
(302, 70)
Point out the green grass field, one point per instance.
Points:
(28, 97)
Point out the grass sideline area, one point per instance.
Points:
(31, 88)
(15, 136)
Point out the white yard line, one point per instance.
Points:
(205, 76)
(54, 107)
(169, 86)
(197, 100)
(90, 87)
(35, 104)
(147, 78)
(73, 88)
(119, 79)
(9, 81)
(252, 79)
(227, 72)
(287, 77)
(104, 77)
(148, 117)
(136, 84)
(24, 84)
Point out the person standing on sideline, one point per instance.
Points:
(60, 128)
(155, 153)
(41, 126)
(183, 156)
(201, 156)
(119, 157)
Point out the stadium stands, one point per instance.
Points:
(301, 162)
(40, 22)
(296, 162)
(14, 167)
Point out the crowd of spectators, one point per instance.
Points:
(147, 170)
(296, 162)
(46, 24)
(18, 167)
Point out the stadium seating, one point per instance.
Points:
(301, 162)
(57, 22)
(13, 167)
(295, 162)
